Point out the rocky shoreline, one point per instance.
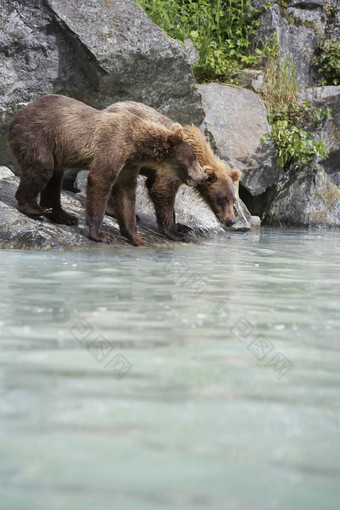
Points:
(21, 232)
(101, 53)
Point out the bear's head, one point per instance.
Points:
(219, 191)
(181, 157)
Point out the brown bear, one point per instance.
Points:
(218, 190)
(57, 132)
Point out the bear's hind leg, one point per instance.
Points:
(32, 182)
(50, 198)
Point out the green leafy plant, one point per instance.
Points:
(327, 61)
(294, 144)
(300, 113)
(289, 117)
(221, 30)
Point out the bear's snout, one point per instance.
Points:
(230, 223)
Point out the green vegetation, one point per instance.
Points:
(327, 61)
(294, 144)
(287, 115)
(280, 85)
(221, 30)
(284, 3)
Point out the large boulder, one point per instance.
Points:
(236, 118)
(300, 25)
(20, 232)
(311, 196)
(97, 51)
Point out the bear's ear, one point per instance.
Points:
(210, 173)
(176, 135)
(235, 174)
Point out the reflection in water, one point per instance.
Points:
(197, 377)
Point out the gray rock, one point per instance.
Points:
(296, 42)
(243, 217)
(191, 51)
(250, 79)
(311, 196)
(329, 130)
(5, 173)
(190, 210)
(258, 82)
(315, 93)
(255, 222)
(259, 3)
(312, 4)
(97, 51)
(236, 119)
(299, 27)
(81, 181)
(20, 232)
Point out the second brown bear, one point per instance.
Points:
(217, 191)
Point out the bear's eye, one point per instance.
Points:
(193, 159)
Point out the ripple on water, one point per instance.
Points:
(230, 395)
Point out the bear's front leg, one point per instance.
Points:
(123, 200)
(176, 232)
(162, 192)
(183, 229)
(98, 190)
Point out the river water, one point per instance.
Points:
(199, 376)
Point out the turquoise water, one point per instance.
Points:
(197, 377)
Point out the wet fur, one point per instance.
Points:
(57, 132)
(218, 191)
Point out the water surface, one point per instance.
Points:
(197, 377)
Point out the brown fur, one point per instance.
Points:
(217, 191)
(56, 132)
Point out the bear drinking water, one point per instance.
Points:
(57, 132)
(217, 190)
